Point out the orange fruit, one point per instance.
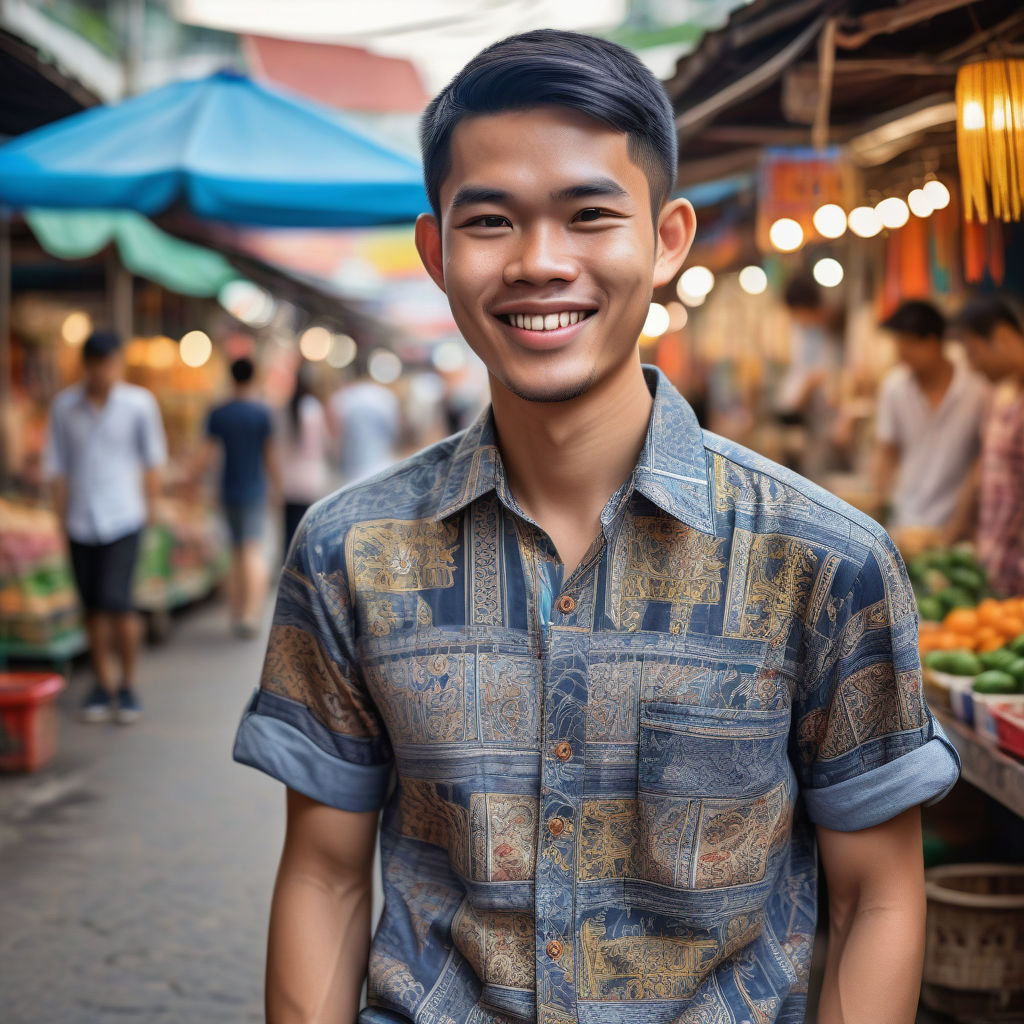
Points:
(989, 611)
(1010, 625)
(990, 645)
(961, 620)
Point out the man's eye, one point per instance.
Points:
(490, 220)
(592, 213)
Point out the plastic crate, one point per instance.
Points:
(1010, 729)
(28, 719)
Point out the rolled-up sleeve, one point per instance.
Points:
(153, 440)
(312, 724)
(867, 747)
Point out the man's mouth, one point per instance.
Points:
(547, 321)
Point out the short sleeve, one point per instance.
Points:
(886, 418)
(153, 440)
(866, 745)
(312, 724)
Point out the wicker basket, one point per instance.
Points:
(975, 933)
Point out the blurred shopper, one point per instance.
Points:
(616, 681)
(104, 449)
(805, 401)
(994, 338)
(367, 421)
(930, 414)
(303, 451)
(243, 430)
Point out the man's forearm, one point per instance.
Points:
(873, 967)
(318, 948)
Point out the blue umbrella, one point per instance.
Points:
(227, 147)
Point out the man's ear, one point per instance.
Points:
(677, 224)
(428, 245)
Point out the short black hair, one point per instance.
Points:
(101, 344)
(917, 318)
(802, 292)
(548, 67)
(984, 313)
(242, 370)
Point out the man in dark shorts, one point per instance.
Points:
(243, 427)
(104, 450)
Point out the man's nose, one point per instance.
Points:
(542, 253)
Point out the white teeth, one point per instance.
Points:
(550, 322)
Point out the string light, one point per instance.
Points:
(893, 212)
(864, 222)
(657, 321)
(828, 272)
(753, 280)
(937, 193)
(76, 328)
(919, 203)
(786, 235)
(315, 343)
(195, 349)
(830, 220)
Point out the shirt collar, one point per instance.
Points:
(672, 469)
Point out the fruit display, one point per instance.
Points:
(946, 579)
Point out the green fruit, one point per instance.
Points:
(955, 597)
(1017, 645)
(962, 557)
(955, 663)
(1016, 669)
(999, 658)
(994, 681)
(931, 608)
(968, 579)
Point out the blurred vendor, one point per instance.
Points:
(994, 338)
(930, 414)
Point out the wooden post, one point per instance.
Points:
(119, 295)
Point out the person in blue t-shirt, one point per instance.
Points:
(242, 427)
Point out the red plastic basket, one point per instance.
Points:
(28, 719)
(1009, 729)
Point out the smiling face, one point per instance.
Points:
(548, 249)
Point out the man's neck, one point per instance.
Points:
(98, 396)
(936, 377)
(564, 460)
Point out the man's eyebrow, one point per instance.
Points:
(470, 195)
(590, 190)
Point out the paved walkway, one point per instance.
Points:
(135, 873)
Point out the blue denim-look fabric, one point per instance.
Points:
(628, 763)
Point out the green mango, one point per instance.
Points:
(931, 608)
(994, 681)
(999, 658)
(954, 663)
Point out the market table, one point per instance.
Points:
(984, 765)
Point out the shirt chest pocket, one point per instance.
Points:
(714, 794)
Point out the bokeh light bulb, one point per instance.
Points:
(384, 366)
(830, 220)
(786, 235)
(195, 348)
(864, 222)
(892, 212)
(677, 316)
(828, 272)
(656, 323)
(76, 328)
(753, 280)
(974, 115)
(449, 356)
(315, 343)
(937, 194)
(919, 203)
(342, 351)
(696, 281)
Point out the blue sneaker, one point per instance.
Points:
(128, 707)
(98, 706)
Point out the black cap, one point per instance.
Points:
(101, 343)
(918, 319)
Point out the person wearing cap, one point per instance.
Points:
(994, 338)
(930, 414)
(104, 449)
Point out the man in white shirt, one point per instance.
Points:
(930, 414)
(105, 446)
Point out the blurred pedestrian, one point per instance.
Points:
(303, 449)
(805, 400)
(930, 414)
(104, 450)
(242, 428)
(367, 422)
(994, 338)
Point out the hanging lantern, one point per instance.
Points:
(990, 138)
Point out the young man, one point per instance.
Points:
(242, 427)
(619, 669)
(104, 449)
(995, 346)
(930, 414)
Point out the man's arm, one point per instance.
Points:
(151, 485)
(59, 492)
(887, 460)
(320, 916)
(876, 902)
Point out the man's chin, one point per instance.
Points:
(551, 391)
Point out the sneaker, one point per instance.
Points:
(98, 706)
(128, 707)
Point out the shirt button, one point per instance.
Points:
(563, 751)
(556, 826)
(566, 604)
(554, 949)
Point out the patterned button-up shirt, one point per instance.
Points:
(604, 786)
(1001, 495)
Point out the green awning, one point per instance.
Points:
(145, 250)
